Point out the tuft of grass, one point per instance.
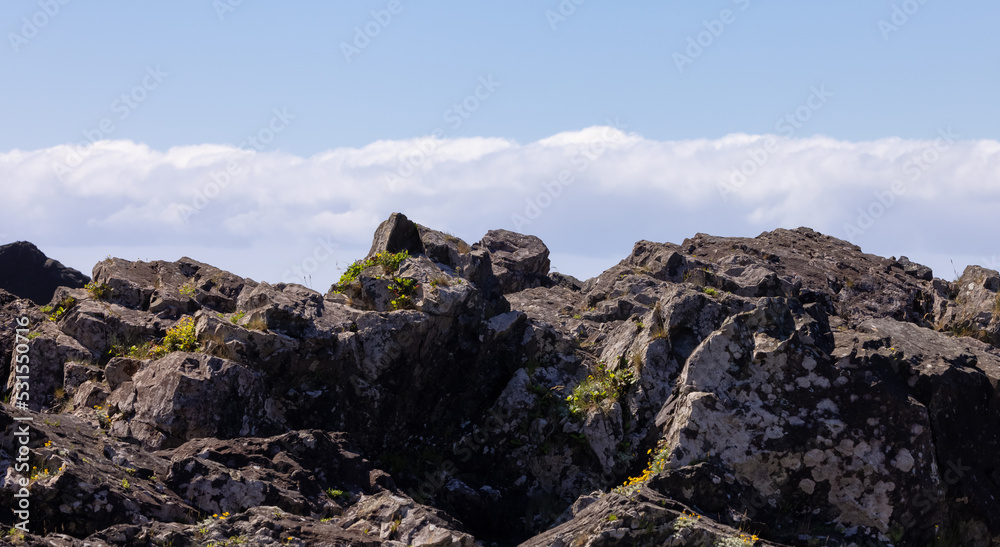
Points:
(440, 282)
(389, 261)
(258, 323)
(235, 318)
(215, 344)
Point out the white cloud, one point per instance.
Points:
(616, 188)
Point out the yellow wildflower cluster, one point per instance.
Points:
(657, 464)
(686, 519)
(741, 540)
(37, 475)
(222, 517)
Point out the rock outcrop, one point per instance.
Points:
(786, 389)
(26, 272)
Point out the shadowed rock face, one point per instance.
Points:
(26, 272)
(788, 386)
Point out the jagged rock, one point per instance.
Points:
(92, 482)
(121, 369)
(976, 308)
(48, 354)
(26, 272)
(104, 326)
(395, 235)
(187, 396)
(290, 471)
(169, 289)
(645, 519)
(519, 261)
(804, 391)
(75, 374)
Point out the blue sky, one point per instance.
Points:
(199, 78)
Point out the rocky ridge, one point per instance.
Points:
(786, 389)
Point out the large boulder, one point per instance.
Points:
(26, 272)
(186, 396)
(519, 261)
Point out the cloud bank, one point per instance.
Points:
(588, 194)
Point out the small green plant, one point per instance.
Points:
(125, 484)
(33, 335)
(15, 535)
(657, 463)
(235, 318)
(45, 309)
(403, 290)
(64, 306)
(601, 388)
(389, 261)
(180, 337)
(187, 289)
(612, 518)
(99, 291)
(327, 519)
(710, 291)
(337, 494)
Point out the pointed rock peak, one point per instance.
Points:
(395, 235)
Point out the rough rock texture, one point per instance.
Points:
(786, 389)
(26, 272)
(519, 261)
(397, 234)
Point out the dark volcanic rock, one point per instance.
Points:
(395, 235)
(27, 272)
(786, 389)
(519, 261)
